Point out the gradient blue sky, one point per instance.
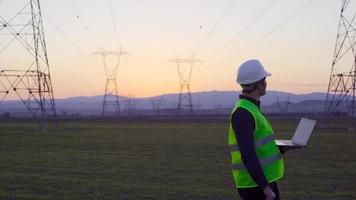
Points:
(294, 39)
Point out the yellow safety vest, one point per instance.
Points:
(266, 149)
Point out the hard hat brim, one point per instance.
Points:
(268, 74)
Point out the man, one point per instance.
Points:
(256, 159)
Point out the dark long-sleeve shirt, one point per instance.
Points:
(243, 124)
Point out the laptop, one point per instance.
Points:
(300, 137)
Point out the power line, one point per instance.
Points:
(82, 22)
(113, 21)
(279, 26)
(274, 29)
(249, 25)
(65, 36)
(217, 24)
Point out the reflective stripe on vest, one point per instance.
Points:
(263, 162)
(258, 143)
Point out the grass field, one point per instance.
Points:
(156, 160)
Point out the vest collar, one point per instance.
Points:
(256, 102)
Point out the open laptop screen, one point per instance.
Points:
(303, 132)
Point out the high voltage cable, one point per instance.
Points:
(217, 24)
(274, 29)
(250, 24)
(96, 44)
(66, 38)
(113, 21)
(346, 2)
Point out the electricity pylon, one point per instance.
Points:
(23, 44)
(185, 69)
(341, 89)
(111, 103)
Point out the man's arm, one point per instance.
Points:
(244, 125)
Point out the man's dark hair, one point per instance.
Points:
(248, 88)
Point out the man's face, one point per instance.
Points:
(262, 86)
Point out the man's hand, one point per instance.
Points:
(281, 149)
(270, 195)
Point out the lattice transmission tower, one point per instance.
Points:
(111, 103)
(24, 66)
(341, 89)
(185, 68)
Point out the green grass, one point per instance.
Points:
(152, 160)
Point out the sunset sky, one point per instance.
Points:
(293, 39)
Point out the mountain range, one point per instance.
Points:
(273, 101)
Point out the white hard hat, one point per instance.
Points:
(251, 71)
